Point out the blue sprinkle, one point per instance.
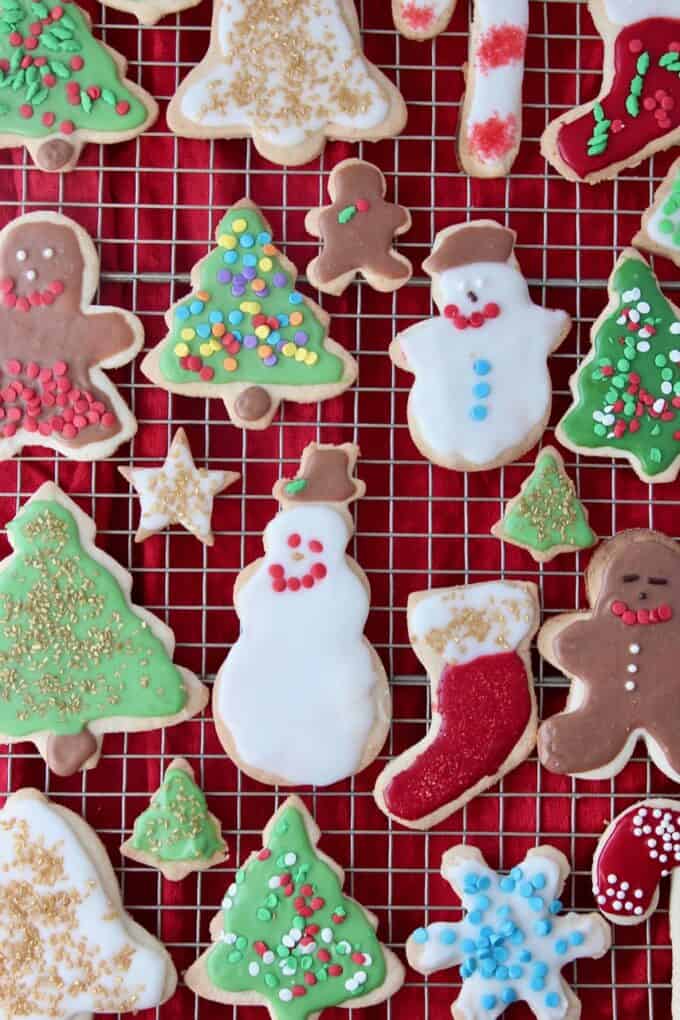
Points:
(483, 883)
(483, 367)
(516, 873)
(478, 412)
(246, 240)
(525, 956)
(481, 390)
(484, 942)
(230, 257)
(486, 931)
(515, 971)
(577, 938)
(552, 1000)
(526, 889)
(196, 307)
(488, 1001)
(536, 903)
(468, 946)
(249, 260)
(543, 927)
(283, 319)
(540, 969)
(235, 317)
(487, 968)
(264, 237)
(295, 298)
(538, 881)
(503, 912)
(517, 937)
(203, 331)
(507, 884)
(561, 946)
(475, 917)
(508, 928)
(274, 337)
(447, 937)
(468, 968)
(182, 312)
(470, 884)
(556, 907)
(502, 973)
(537, 984)
(482, 903)
(509, 995)
(500, 954)
(420, 935)
(237, 334)
(216, 316)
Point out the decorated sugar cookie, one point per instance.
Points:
(422, 19)
(148, 12)
(514, 940)
(637, 111)
(246, 334)
(77, 658)
(288, 938)
(55, 344)
(60, 87)
(177, 834)
(621, 658)
(482, 392)
(626, 391)
(474, 643)
(289, 76)
(660, 229)
(178, 492)
(357, 232)
(69, 949)
(302, 697)
(546, 517)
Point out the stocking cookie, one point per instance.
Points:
(357, 232)
(637, 112)
(660, 229)
(422, 19)
(246, 334)
(490, 130)
(626, 391)
(514, 940)
(288, 938)
(482, 393)
(60, 87)
(178, 492)
(177, 834)
(55, 344)
(621, 658)
(546, 517)
(302, 698)
(77, 658)
(289, 76)
(474, 643)
(69, 949)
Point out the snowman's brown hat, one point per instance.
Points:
(468, 243)
(325, 476)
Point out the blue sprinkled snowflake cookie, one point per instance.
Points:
(514, 939)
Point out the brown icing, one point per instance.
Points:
(48, 334)
(253, 403)
(54, 154)
(626, 575)
(469, 244)
(364, 241)
(326, 472)
(65, 754)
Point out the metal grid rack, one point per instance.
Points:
(152, 206)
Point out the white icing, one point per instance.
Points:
(98, 936)
(332, 53)
(297, 689)
(627, 12)
(442, 358)
(508, 611)
(659, 215)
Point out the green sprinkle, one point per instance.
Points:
(632, 105)
(321, 974)
(347, 214)
(599, 430)
(283, 952)
(282, 828)
(235, 956)
(667, 374)
(598, 112)
(619, 382)
(60, 70)
(299, 922)
(623, 365)
(306, 963)
(109, 97)
(656, 430)
(240, 876)
(271, 980)
(666, 59)
(655, 454)
(40, 10)
(297, 485)
(660, 360)
(71, 46)
(263, 914)
(666, 226)
(241, 942)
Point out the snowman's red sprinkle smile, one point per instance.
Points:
(286, 582)
(474, 321)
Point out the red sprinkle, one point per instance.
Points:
(77, 63)
(260, 947)
(335, 970)
(264, 854)
(276, 570)
(317, 903)
(26, 111)
(363, 205)
(69, 431)
(122, 107)
(67, 127)
(293, 584)
(207, 373)
(298, 991)
(9, 431)
(307, 890)
(49, 81)
(309, 978)
(56, 13)
(108, 420)
(13, 367)
(318, 571)
(635, 45)
(15, 39)
(323, 955)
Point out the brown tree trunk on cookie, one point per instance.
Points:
(67, 753)
(253, 404)
(54, 154)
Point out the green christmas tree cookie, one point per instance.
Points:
(77, 658)
(246, 334)
(660, 229)
(60, 87)
(287, 937)
(177, 834)
(627, 390)
(546, 517)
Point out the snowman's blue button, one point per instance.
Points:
(481, 390)
(478, 412)
(481, 366)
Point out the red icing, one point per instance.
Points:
(501, 45)
(660, 614)
(493, 138)
(418, 17)
(485, 708)
(572, 139)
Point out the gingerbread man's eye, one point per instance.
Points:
(48, 253)
(316, 546)
(294, 540)
(629, 578)
(22, 255)
(657, 580)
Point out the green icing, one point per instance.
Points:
(258, 913)
(629, 393)
(43, 88)
(668, 222)
(177, 825)
(215, 325)
(548, 513)
(71, 648)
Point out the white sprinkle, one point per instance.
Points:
(638, 911)
(656, 813)
(643, 346)
(612, 879)
(360, 977)
(620, 895)
(617, 905)
(368, 959)
(253, 969)
(295, 934)
(632, 295)
(268, 957)
(666, 387)
(634, 649)
(625, 885)
(675, 328)
(31, 274)
(285, 995)
(227, 903)
(674, 355)
(638, 894)
(628, 905)
(326, 935)
(643, 307)
(630, 685)
(274, 882)
(651, 842)
(288, 942)
(601, 899)
(22, 255)
(644, 332)
(228, 937)
(350, 985)
(232, 890)
(631, 667)
(634, 315)
(658, 405)
(290, 859)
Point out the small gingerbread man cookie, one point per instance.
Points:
(357, 232)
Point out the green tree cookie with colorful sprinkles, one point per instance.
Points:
(288, 938)
(546, 517)
(246, 334)
(660, 228)
(60, 87)
(177, 834)
(626, 392)
(77, 658)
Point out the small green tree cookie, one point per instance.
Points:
(288, 938)
(177, 834)
(546, 517)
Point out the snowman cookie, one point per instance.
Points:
(302, 698)
(482, 392)
(621, 657)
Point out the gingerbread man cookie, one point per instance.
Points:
(622, 659)
(357, 232)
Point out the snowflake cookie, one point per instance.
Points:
(514, 940)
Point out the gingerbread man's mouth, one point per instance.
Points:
(628, 616)
(31, 299)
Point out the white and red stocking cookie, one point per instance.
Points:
(474, 643)
(637, 112)
(422, 19)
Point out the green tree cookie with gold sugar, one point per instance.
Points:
(245, 334)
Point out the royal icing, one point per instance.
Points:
(492, 122)
(627, 390)
(622, 657)
(482, 390)
(660, 230)
(626, 12)
(68, 949)
(514, 940)
(421, 19)
(178, 492)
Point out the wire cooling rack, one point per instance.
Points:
(152, 206)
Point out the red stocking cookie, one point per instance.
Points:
(357, 232)
(474, 643)
(622, 659)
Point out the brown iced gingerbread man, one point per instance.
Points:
(623, 658)
(358, 231)
(53, 343)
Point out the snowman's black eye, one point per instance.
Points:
(472, 296)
